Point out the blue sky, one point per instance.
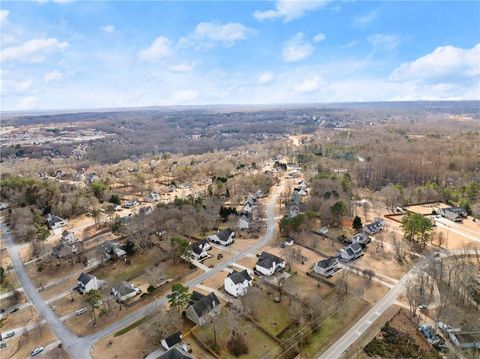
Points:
(75, 54)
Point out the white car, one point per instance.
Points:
(37, 351)
(9, 334)
(81, 311)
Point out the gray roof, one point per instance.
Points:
(266, 260)
(173, 339)
(84, 278)
(206, 304)
(124, 288)
(326, 263)
(175, 353)
(239, 277)
(224, 235)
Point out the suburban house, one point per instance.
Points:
(302, 184)
(175, 353)
(86, 283)
(92, 177)
(200, 249)
(259, 194)
(110, 250)
(131, 204)
(361, 238)
(68, 237)
(455, 214)
(64, 250)
(353, 251)
(55, 222)
(243, 223)
(237, 283)
(152, 197)
(268, 264)
(293, 212)
(224, 237)
(145, 211)
(326, 267)
(374, 227)
(301, 191)
(289, 242)
(123, 291)
(203, 309)
(174, 340)
(247, 209)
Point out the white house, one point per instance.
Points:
(224, 237)
(200, 249)
(174, 340)
(237, 283)
(145, 211)
(326, 267)
(123, 291)
(131, 204)
(204, 309)
(86, 283)
(110, 250)
(68, 237)
(243, 223)
(268, 264)
(152, 197)
(361, 238)
(374, 227)
(353, 251)
(55, 222)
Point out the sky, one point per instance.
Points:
(107, 54)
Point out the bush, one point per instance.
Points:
(150, 288)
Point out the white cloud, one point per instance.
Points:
(52, 76)
(180, 68)
(319, 37)
(296, 48)
(364, 20)
(107, 28)
(33, 50)
(385, 42)
(27, 103)
(10, 87)
(3, 16)
(265, 78)
(206, 34)
(349, 45)
(289, 9)
(443, 63)
(160, 48)
(183, 97)
(309, 85)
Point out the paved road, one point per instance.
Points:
(61, 331)
(342, 344)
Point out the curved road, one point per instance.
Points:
(80, 347)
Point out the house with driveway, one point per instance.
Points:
(237, 283)
(124, 291)
(361, 238)
(200, 249)
(268, 264)
(55, 222)
(350, 253)
(224, 237)
(326, 267)
(203, 309)
(87, 282)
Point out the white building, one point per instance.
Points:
(123, 291)
(55, 222)
(152, 197)
(326, 267)
(352, 252)
(268, 264)
(237, 283)
(224, 237)
(200, 249)
(87, 282)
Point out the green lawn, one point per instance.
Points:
(333, 327)
(272, 317)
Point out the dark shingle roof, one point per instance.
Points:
(239, 277)
(174, 353)
(325, 263)
(225, 234)
(124, 288)
(173, 339)
(196, 296)
(356, 247)
(266, 260)
(206, 304)
(84, 278)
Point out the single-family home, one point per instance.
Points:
(302, 192)
(131, 204)
(374, 227)
(326, 267)
(152, 197)
(243, 223)
(352, 252)
(68, 237)
(200, 249)
(174, 340)
(204, 309)
(293, 212)
(110, 250)
(247, 209)
(175, 353)
(224, 237)
(145, 211)
(236, 283)
(302, 184)
(289, 242)
(268, 264)
(361, 238)
(55, 222)
(87, 282)
(92, 177)
(123, 291)
(63, 250)
(259, 194)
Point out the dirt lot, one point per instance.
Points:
(405, 340)
(22, 346)
(24, 317)
(216, 281)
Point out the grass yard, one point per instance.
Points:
(272, 317)
(334, 326)
(259, 344)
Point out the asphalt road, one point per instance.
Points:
(80, 347)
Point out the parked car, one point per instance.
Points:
(9, 334)
(81, 311)
(37, 351)
(423, 307)
(3, 345)
(14, 310)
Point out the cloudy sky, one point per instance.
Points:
(74, 54)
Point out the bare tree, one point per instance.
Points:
(155, 275)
